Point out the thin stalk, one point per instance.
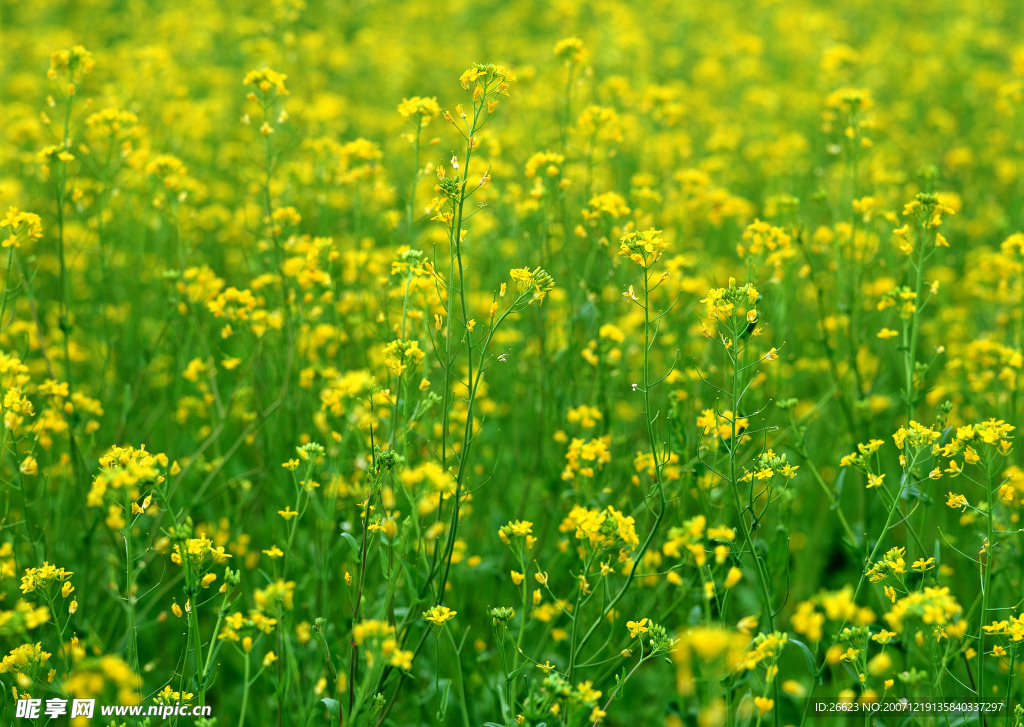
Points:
(860, 584)
(245, 692)
(659, 483)
(985, 587)
(129, 570)
(462, 686)
(913, 332)
(762, 577)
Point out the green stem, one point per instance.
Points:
(914, 325)
(462, 686)
(802, 450)
(245, 692)
(216, 631)
(1009, 685)
(659, 483)
(65, 285)
(133, 636)
(736, 398)
(409, 216)
(985, 592)
(522, 630)
(860, 584)
(455, 258)
(762, 577)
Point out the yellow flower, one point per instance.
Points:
(883, 636)
(637, 627)
(571, 49)
(402, 659)
(287, 513)
(265, 80)
(957, 502)
(490, 80)
(763, 704)
(439, 615)
(74, 63)
(40, 579)
(733, 577)
(23, 226)
(419, 110)
(794, 688)
(520, 275)
(643, 248)
(547, 667)
(29, 466)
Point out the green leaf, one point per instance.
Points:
(348, 537)
(780, 551)
(333, 708)
(808, 656)
(516, 673)
(443, 706)
(840, 481)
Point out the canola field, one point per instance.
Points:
(494, 364)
